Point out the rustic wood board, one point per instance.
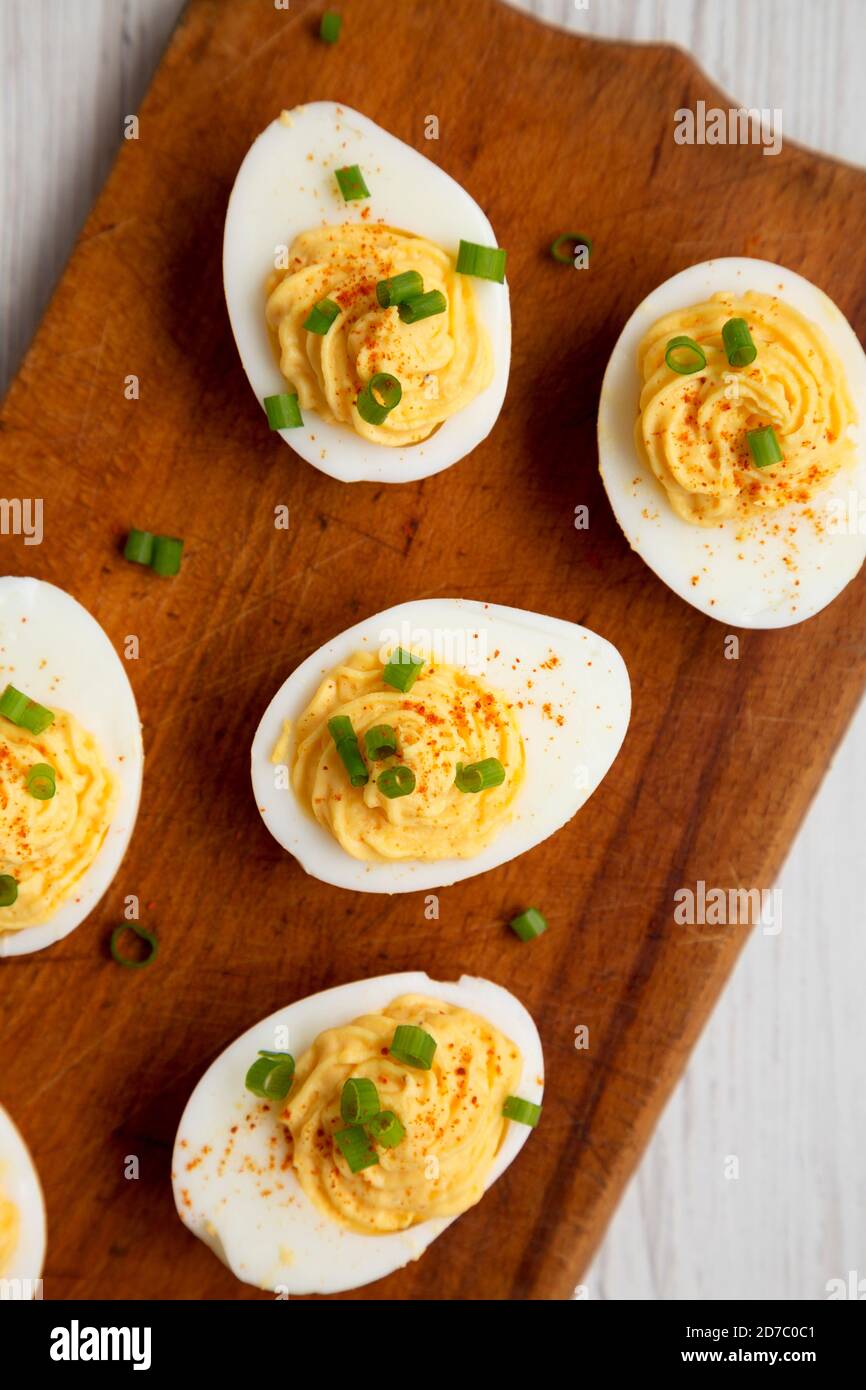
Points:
(722, 756)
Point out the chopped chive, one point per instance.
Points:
(283, 411)
(684, 355)
(139, 547)
(352, 185)
(167, 552)
(379, 397)
(341, 731)
(8, 890)
(528, 924)
(13, 704)
(571, 240)
(381, 742)
(354, 1145)
(486, 262)
(413, 1046)
(407, 285)
(141, 932)
(36, 718)
(739, 345)
(359, 1100)
(402, 670)
(41, 781)
(386, 1129)
(271, 1075)
(329, 29)
(525, 1112)
(478, 777)
(764, 447)
(422, 306)
(396, 781)
(320, 318)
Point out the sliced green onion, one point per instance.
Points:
(341, 731)
(139, 931)
(359, 1100)
(739, 345)
(354, 1145)
(570, 240)
(525, 1112)
(36, 718)
(352, 185)
(283, 411)
(413, 1046)
(379, 397)
(329, 29)
(396, 781)
(529, 924)
(381, 742)
(321, 316)
(167, 552)
(764, 447)
(8, 890)
(271, 1075)
(139, 547)
(386, 1129)
(13, 704)
(407, 285)
(487, 262)
(41, 781)
(422, 306)
(685, 356)
(477, 777)
(402, 670)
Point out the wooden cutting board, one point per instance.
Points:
(549, 133)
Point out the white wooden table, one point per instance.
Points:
(777, 1079)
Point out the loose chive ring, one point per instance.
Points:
(386, 1129)
(402, 670)
(685, 356)
(319, 320)
(525, 1112)
(354, 1144)
(529, 924)
(329, 29)
(271, 1075)
(352, 185)
(26, 713)
(283, 411)
(41, 781)
(139, 931)
(379, 397)
(139, 547)
(381, 742)
(359, 1100)
(396, 781)
(8, 890)
(739, 344)
(477, 777)
(413, 1046)
(341, 731)
(486, 262)
(161, 553)
(407, 285)
(764, 447)
(563, 249)
(422, 306)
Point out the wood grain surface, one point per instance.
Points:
(721, 758)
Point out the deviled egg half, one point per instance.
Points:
(367, 298)
(70, 764)
(331, 1143)
(435, 741)
(22, 1214)
(730, 441)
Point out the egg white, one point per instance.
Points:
(564, 763)
(279, 193)
(280, 1241)
(19, 1182)
(54, 650)
(758, 590)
